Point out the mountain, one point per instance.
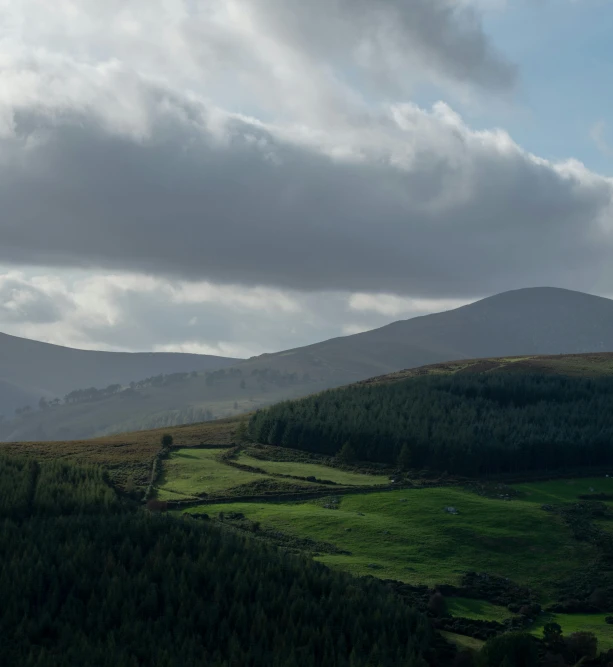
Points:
(30, 369)
(526, 321)
(521, 322)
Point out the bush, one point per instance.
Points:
(582, 645)
(513, 649)
(437, 605)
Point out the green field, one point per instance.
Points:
(480, 610)
(579, 623)
(407, 535)
(564, 490)
(462, 641)
(343, 477)
(191, 471)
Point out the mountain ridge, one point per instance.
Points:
(30, 369)
(529, 321)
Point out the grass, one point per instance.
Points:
(190, 471)
(124, 457)
(479, 610)
(579, 623)
(127, 456)
(462, 641)
(313, 469)
(563, 490)
(408, 536)
(583, 365)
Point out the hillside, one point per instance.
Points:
(596, 364)
(524, 322)
(30, 369)
(482, 417)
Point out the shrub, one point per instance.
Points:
(437, 605)
(513, 649)
(582, 645)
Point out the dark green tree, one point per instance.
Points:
(404, 458)
(581, 645)
(167, 440)
(346, 454)
(512, 649)
(241, 431)
(552, 634)
(437, 604)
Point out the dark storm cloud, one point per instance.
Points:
(232, 201)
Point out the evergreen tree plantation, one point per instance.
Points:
(469, 424)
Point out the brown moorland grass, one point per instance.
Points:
(129, 456)
(580, 365)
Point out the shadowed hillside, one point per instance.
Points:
(30, 369)
(477, 417)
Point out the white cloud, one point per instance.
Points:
(396, 306)
(351, 329)
(221, 349)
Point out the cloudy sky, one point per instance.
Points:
(242, 176)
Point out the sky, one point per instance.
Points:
(242, 176)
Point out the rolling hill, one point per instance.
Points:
(481, 417)
(535, 321)
(31, 369)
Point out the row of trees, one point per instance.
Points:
(86, 580)
(465, 424)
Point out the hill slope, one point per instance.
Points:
(479, 418)
(522, 322)
(30, 369)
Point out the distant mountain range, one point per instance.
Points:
(521, 322)
(30, 369)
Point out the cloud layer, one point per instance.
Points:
(273, 143)
(135, 312)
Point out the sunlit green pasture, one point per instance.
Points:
(407, 535)
(314, 470)
(191, 471)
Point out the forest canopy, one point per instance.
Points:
(470, 424)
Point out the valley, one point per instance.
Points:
(507, 548)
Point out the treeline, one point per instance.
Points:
(166, 418)
(87, 580)
(257, 379)
(467, 424)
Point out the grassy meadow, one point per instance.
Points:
(579, 623)
(564, 490)
(479, 610)
(407, 535)
(299, 469)
(191, 471)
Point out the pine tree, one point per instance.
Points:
(404, 458)
(346, 455)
